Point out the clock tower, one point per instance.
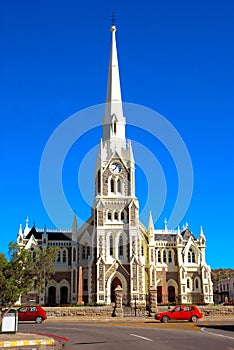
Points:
(117, 233)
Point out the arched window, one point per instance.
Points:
(116, 216)
(111, 246)
(122, 216)
(64, 256)
(196, 283)
(83, 252)
(74, 254)
(99, 182)
(59, 257)
(142, 250)
(188, 283)
(112, 185)
(109, 216)
(88, 251)
(169, 257)
(164, 256)
(159, 256)
(119, 189)
(189, 257)
(115, 127)
(120, 246)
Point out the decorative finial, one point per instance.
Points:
(113, 27)
(201, 231)
(113, 17)
(165, 224)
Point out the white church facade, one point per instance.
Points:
(113, 247)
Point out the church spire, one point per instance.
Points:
(113, 95)
(113, 121)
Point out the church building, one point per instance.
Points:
(113, 247)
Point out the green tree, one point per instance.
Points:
(43, 263)
(24, 271)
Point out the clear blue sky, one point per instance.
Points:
(176, 57)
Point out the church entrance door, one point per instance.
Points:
(159, 294)
(52, 296)
(63, 295)
(115, 283)
(171, 294)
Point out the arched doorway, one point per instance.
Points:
(63, 295)
(115, 283)
(52, 296)
(159, 294)
(171, 294)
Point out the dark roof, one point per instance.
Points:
(186, 234)
(164, 237)
(53, 235)
(34, 233)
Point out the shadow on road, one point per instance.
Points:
(229, 328)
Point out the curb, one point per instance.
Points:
(7, 343)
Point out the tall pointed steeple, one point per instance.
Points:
(114, 121)
(113, 95)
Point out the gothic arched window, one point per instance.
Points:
(116, 216)
(112, 185)
(119, 189)
(88, 251)
(98, 182)
(59, 256)
(122, 216)
(111, 246)
(83, 252)
(120, 246)
(109, 216)
(74, 254)
(191, 256)
(115, 127)
(169, 257)
(164, 256)
(159, 256)
(64, 256)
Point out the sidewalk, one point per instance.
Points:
(24, 339)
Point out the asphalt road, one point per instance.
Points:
(138, 335)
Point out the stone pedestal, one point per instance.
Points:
(153, 306)
(118, 309)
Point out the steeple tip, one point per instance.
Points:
(113, 27)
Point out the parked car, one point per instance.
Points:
(181, 312)
(32, 313)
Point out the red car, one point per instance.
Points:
(32, 313)
(181, 312)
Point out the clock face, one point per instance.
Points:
(115, 168)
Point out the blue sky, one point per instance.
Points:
(176, 57)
